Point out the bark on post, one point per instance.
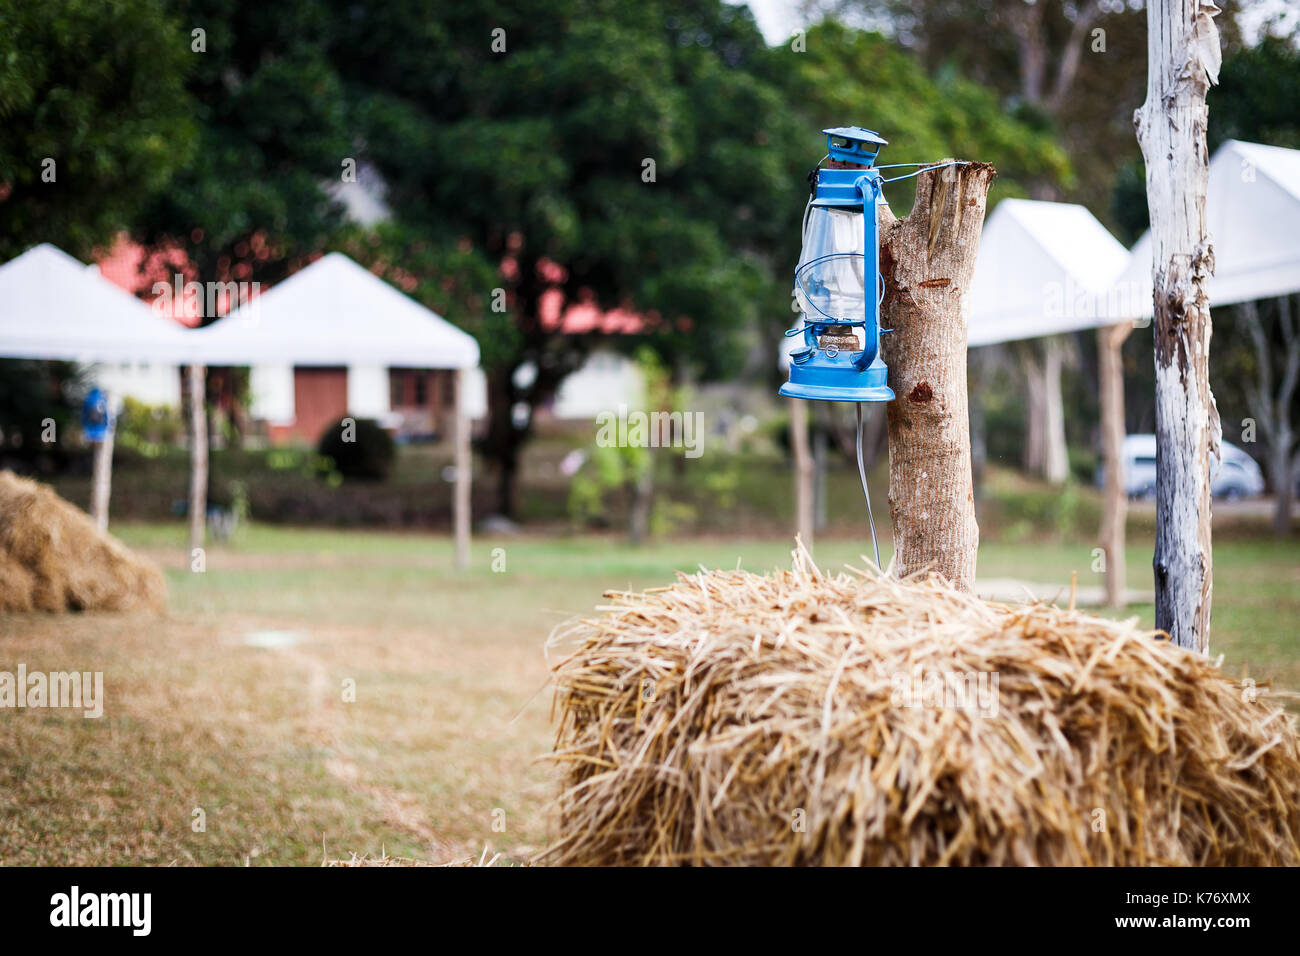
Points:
(803, 472)
(927, 261)
(102, 475)
(198, 456)
(1182, 60)
(463, 464)
(1114, 505)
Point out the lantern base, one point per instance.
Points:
(815, 376)
(838, 393)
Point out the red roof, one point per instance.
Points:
(121, 265)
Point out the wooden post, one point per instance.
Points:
(102, 476)
(463, 464)
(198, 457)
(803, 472)
(927, 261)
(1183, 58)
(1114, 505)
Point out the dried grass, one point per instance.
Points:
(53, 558)
(739, 719)
(365, 860)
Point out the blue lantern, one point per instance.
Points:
(96, 417)
(837, 284)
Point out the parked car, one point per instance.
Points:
(1237, 476)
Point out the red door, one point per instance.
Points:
(320, 398)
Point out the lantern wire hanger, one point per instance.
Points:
(862, 473)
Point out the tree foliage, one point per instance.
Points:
(94, 118)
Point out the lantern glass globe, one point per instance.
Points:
(830, 279)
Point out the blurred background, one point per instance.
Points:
(608, 197)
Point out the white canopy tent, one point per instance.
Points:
(1043, 268)
(1046, 268)
(336, 312)
(54, 307)
(1253, 214)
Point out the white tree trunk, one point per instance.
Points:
(1182, 60)
(927, 261)
(1056, 466)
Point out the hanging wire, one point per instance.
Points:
(925, 167)
(862, 473)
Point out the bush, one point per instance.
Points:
(148, 429)
(359, 448)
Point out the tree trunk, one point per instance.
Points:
(1034, 456)
(1285, 436)
(820, 448)
(1182, 60)
(1045, 453)
(1272, 407)
(927, 261)
(1114, 505)
(1283, 480)
(503, 439)
(464, 463)
(977, 369)
(803, 472)
(198, 456)
(1056, 467)
(642, 487)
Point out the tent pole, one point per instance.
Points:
(463, 462)
(102, 481)
(198, 457)
(1114, 506)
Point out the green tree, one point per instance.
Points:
(272, 130)
(94, 118)
(1077, 67)
(624, 155)
(851, 73)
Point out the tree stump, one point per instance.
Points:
(927, 261)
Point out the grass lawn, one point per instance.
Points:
(233, 704)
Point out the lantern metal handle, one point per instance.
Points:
(871, 327)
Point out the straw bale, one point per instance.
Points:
(53, 558)
(796, 719)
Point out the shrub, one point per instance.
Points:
(359, 448)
